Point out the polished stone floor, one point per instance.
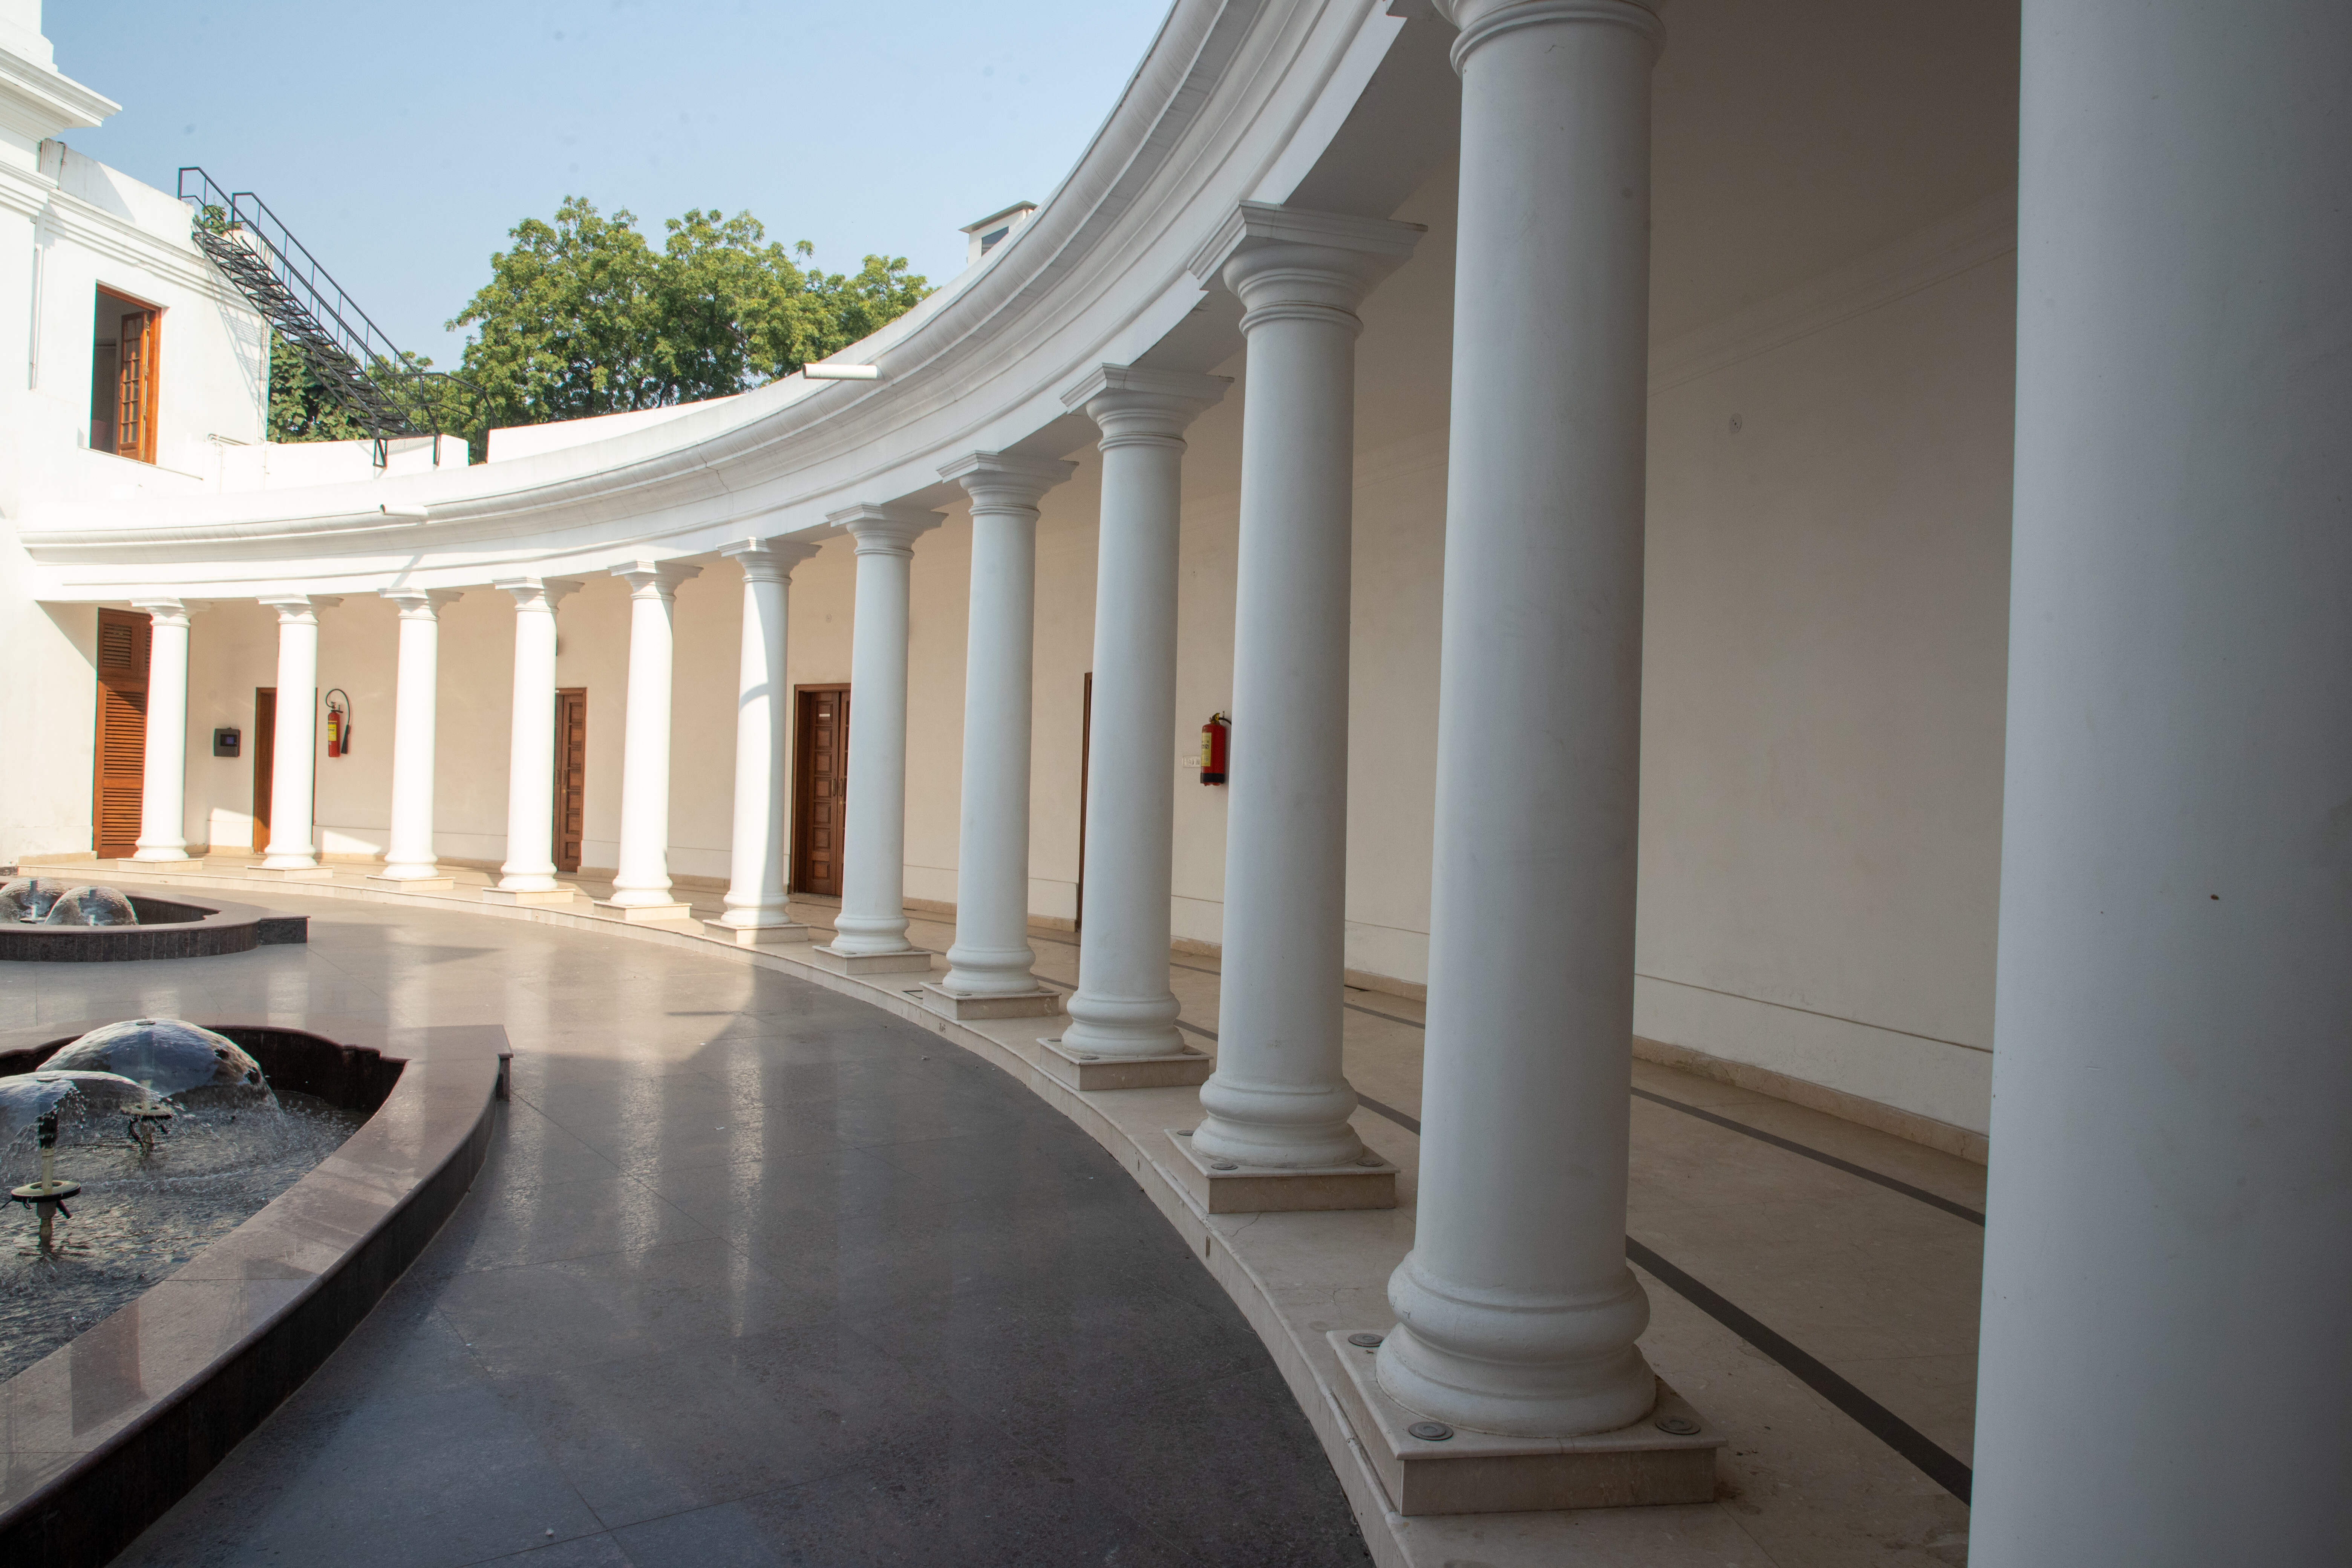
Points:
(609, 1334)
(755, 1275)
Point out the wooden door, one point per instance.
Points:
(134, 420)
(265, 761)
(571, 776)
(820, 786)
(1086, 761)
(123, 640)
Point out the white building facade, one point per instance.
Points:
(1767, 536)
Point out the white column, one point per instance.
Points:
(529, 874)
(163, 789)
(1517, 1313)
(641, 881)
(763, 717)
(2168, 1256)
(408, 856)
(872, 925)
(293, 775)
(991, 956)
(1277, 1098)
(1123, 1007)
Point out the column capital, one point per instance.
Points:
(767, 559)
(1135, 406)
(538, 592)
(421, 604)
(1006, 482)
(299, 607)
(655, 579)
(1290, 262)
(165, 611)
(1483, 20)
(885, 530)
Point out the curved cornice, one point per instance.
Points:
(1225, 94)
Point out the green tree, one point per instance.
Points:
(583, 316)
(301, 408)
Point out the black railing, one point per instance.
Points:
(349, 354)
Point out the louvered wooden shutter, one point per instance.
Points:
(123, 642)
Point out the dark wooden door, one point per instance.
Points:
(265, 761)
(571, 776)
(820, 786)
(134, 424)
(1086, 761)
(123, 641)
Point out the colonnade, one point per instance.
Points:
(1516, 1313)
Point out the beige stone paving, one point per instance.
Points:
(1879, 1286)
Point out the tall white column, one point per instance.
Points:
(763, 717)
(870, 932)
(293, 775)
(1517, 1313)
(641, 880)
(529, 874)
(1123, 1009)
(2169, 1253)
(408, 858)
(992, 957)
(163, 789)
(1277, 1098)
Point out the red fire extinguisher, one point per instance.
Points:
(1215, 736)
(339, 724)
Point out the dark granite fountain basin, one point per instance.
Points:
(99, 1438)
(167, 928)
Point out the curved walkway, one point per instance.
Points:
(756, 1275)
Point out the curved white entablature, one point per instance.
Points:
(1234, 102)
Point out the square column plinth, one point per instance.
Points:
(1428, 1468)
(756, 936)
(1086, 1073)
(1220, 1187)
(913, 961)
(529, 895)
(289, 873)
(1042, 1003)
(643, 914)
(413, 884)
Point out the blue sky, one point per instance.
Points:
(401, 142)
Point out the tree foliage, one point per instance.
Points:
(301, 408)
(584, 316)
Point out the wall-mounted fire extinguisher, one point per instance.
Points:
(1215, 736)
(339, 724)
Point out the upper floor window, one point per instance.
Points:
(123, 365)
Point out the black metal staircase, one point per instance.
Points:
(348, 353)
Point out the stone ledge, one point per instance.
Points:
(1644, 1465)
(529, 895)
(914, 961)
(1090, 1074)
(1223, 1187)
(643, 914)
(291, 873)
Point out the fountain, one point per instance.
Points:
(142, 1211)
(44, 921)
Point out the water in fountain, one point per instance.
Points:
(28, 899)
(143, 1207)
(91, 906)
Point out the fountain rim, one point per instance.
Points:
(220, 927)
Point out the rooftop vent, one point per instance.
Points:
(991, 231)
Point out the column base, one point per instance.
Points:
(529, 895)
(414, 884)
(157, 868)
(289, 873)
(913, 961)
(757, 936)
(1478, 1472)
(1086, 1073)
(1042, 1003)
(1223, 1187)
(643, 914)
